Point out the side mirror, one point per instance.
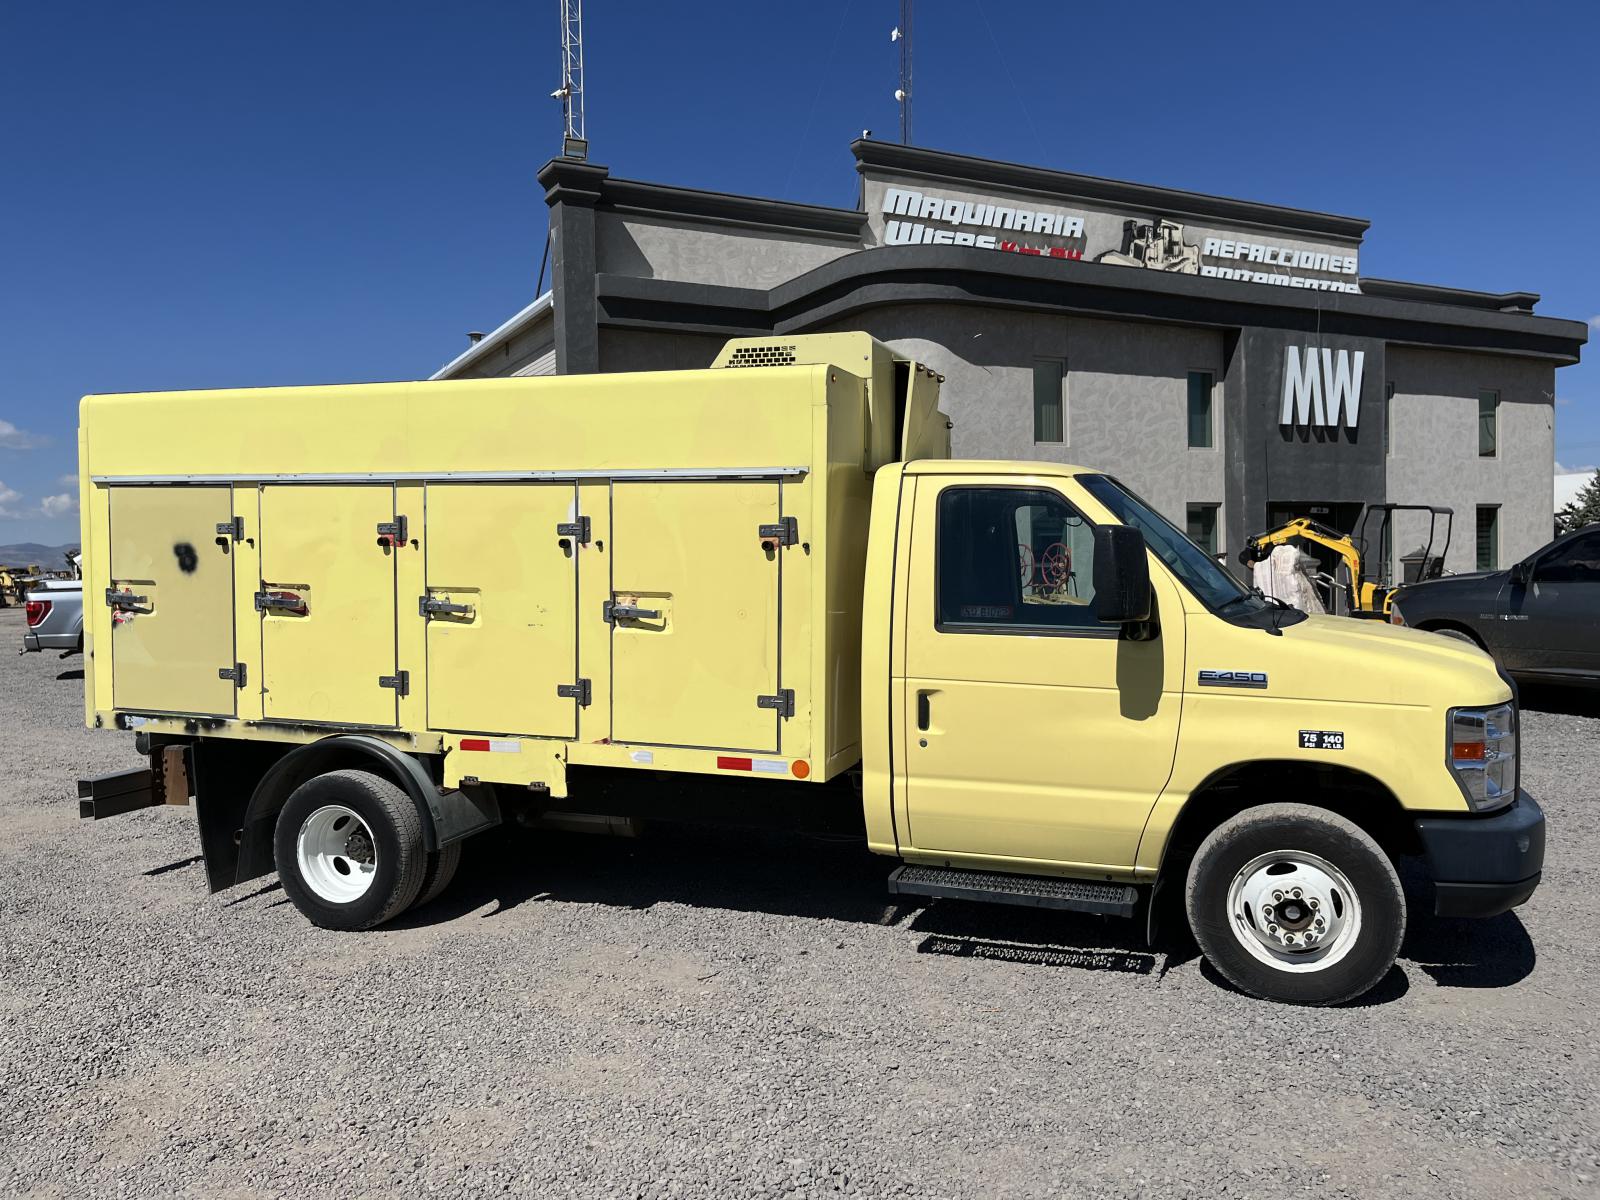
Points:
(1121, 575)
(1522, 572)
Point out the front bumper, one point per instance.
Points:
(1484, 866)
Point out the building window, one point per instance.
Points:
(1488, 424)
(1202, 526)
(1388, 414)
(1488, 537)
(1202, 386)
(1049, 400)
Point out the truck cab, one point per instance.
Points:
(1058, 684)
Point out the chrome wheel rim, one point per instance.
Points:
(337, 854)
(1294, 911)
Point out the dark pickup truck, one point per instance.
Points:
(1539, 619)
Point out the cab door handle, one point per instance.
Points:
(924, 711)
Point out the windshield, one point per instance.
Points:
(1200, 573)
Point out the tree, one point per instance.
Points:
(1583, 509)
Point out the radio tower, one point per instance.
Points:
(902, 34)
(574, 142)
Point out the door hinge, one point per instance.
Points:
(233, 529)
(575, 691)
(393, 533)
(428, 606)
(785, 533)
(235, 673)
(783, 702)
(578, 530)
(400, 681)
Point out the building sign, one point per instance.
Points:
(928, 213)
(1321, 387)
(910, 217)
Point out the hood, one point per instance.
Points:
(1466, 578)
(1350, 659)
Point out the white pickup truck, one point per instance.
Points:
(54, 609)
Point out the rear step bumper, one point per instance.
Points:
(112, 795)
(1033, 891)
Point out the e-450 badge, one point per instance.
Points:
(1233, 679)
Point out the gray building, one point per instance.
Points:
(1225, 358)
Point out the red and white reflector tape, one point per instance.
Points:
(493, 745)
(764, 766)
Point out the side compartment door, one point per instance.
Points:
(502, 608)
(694, 644)
(327, 603)
(1031, 731)
(172, 596)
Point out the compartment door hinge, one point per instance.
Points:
(577, 530)
(400, 681)
(579, 691)
(783, 702)
(785, 533)
(232, 529)
(235, 673)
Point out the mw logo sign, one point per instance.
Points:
(1321, 386)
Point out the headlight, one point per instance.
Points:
(1482, 754)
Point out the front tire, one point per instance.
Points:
(1296, 904)
(349, 850)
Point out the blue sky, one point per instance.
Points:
(204, 194)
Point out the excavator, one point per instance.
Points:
(1367, 594)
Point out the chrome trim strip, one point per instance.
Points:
(469, 476)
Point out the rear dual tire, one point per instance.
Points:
(1296, 904)
(350, 853)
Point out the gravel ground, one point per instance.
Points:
(688, 1016)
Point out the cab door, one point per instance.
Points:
(694, 629)
(501, 608)
(1550, 624)
(327, 603)
(1030, 730)
(171, 593)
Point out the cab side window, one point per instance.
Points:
(1013, 560)
(1576, 562)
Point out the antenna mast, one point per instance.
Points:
(574, 141)
(902, 34)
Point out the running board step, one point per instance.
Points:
(1033, 891)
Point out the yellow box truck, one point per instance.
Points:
(357, 625)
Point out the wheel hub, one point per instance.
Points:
(358, 847)
(1294, 910)
(336, 854)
